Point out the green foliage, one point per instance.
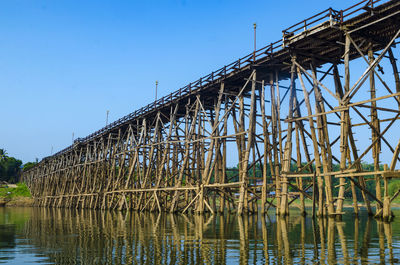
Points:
(10, 167)
(233, 176)
(20, 191)
(3, 154)
(28, 166)
(394, 186)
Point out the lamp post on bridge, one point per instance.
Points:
(107, 117)
(255, 47)
(156, 89)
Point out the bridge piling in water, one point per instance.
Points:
(290, 115)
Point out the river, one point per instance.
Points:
(61, 236)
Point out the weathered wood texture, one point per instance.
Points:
(285, 114)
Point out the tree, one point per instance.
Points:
(28, 166)
(10, 167)
(3, 155)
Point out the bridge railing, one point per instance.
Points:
(316, 20)
(331, 15)
(365, 5)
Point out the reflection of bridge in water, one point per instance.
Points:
(96, 237)
(291, 113)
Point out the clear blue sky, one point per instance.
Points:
(63, 64)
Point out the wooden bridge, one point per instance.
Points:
(299, 115)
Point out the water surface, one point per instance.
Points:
(61, 236)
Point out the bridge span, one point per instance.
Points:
(300, 116)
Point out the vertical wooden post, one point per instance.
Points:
(314, 139)
(386, 214)
(353, 188)
(344, 130)
(184, 165)
(314, 194)
(266, 145)
(287, 157)
(224, 154)
(274, 131)
(243, 199)
(326, 154)
(375, 122)
(299, 180)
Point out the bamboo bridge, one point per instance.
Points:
(299, 115)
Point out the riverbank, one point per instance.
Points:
(15, 195)
(16, 202)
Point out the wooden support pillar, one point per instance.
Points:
(276, 152)
(314, 139)
(344, 129)
(326, 154)
(266, 146)
(376, 148)
(299, 180)
(287, 157)
(386, 214)
(243, 196)
(353, 188)
(224, 154)
(185, 159)
(212, 150)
